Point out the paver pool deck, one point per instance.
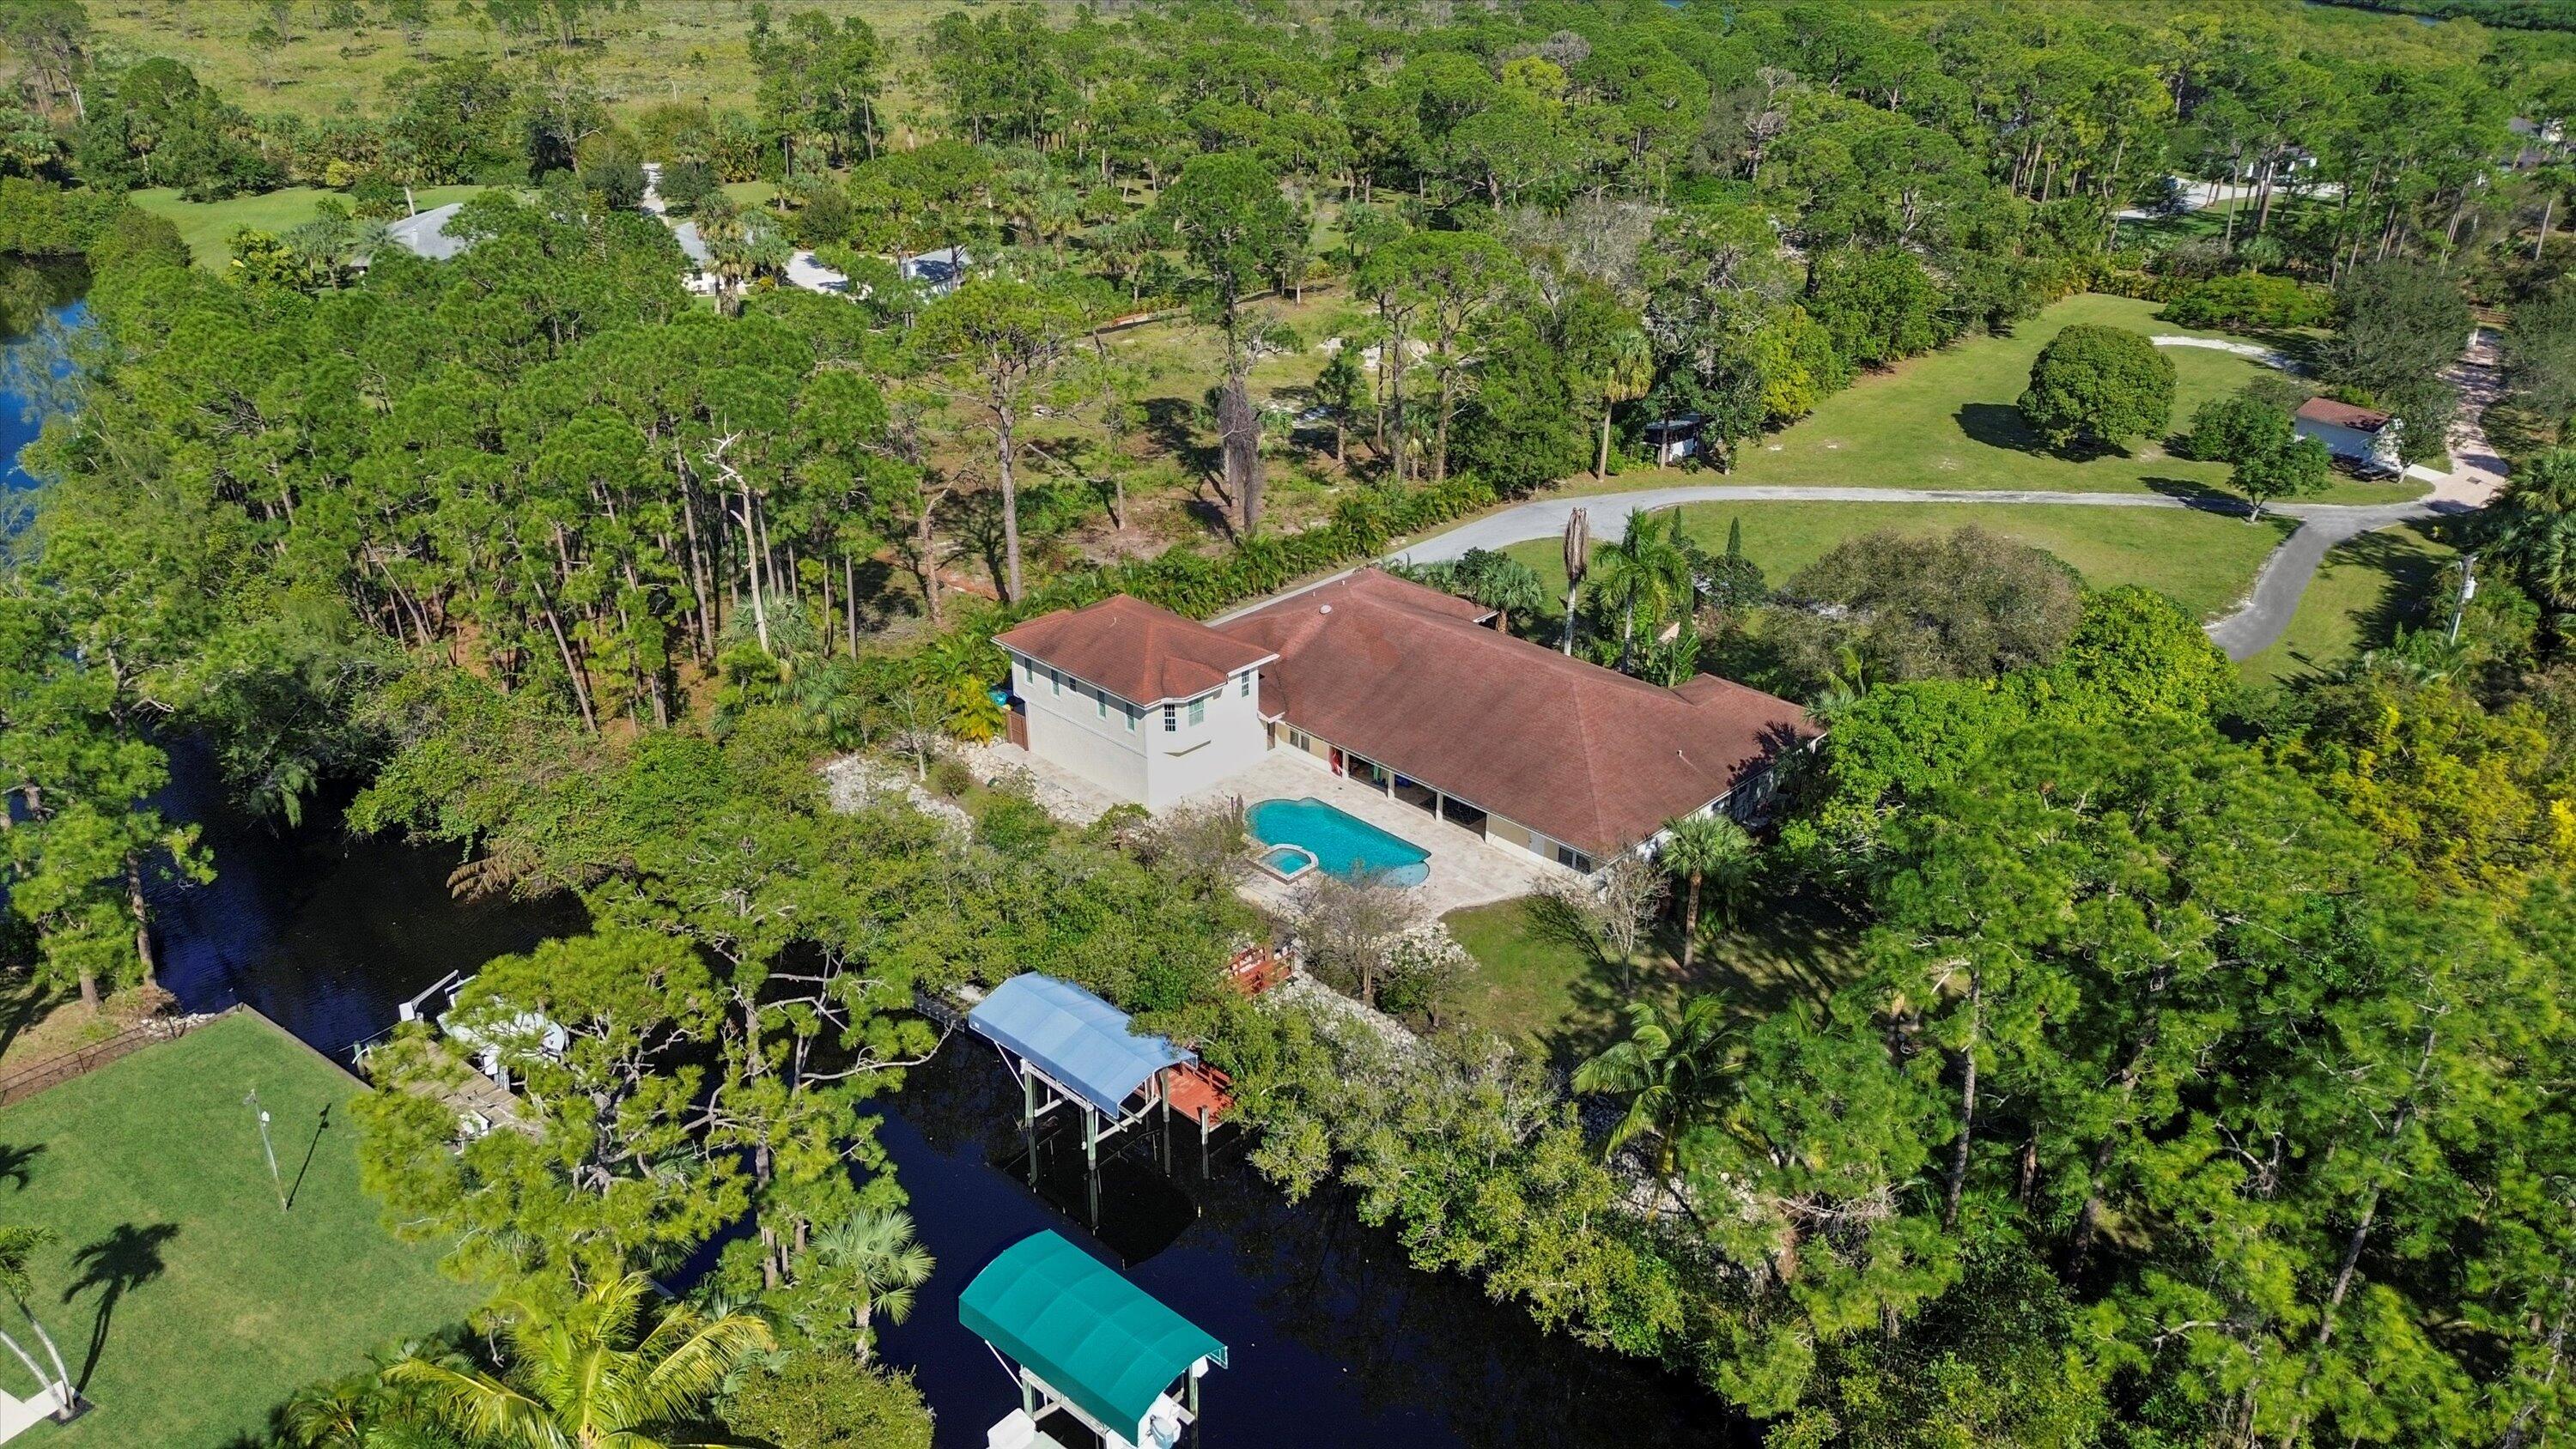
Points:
(1465, 869)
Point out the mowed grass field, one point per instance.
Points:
(183, 1300)
(2367, 587)
(207, 225)
(1948, 420)
(661, 51)
(2205, 561)
(1537, 984)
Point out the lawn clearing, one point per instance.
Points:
(1538, 986)
(2367, 587)
(195, 1303)
(2205, 561)
(1948, 420)
(207, 225)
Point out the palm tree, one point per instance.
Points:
(740, 245)
(365, 1411)
(1648, 568)
(1055, 213)
(332, 1415)
(1670, 1067)
(2535, 527)
(591, 1376)
(1578, 562)
(1846, 684)
(1627, 373)
(2542, 548)
(1695, 848)
(1501, 583)
(17, 1245)
(866, 1264)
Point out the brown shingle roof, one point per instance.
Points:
(1406, 676)
(1140, 653)
(2342, 414)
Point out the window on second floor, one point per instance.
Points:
(1198, 710)
(1171, 718)
(1247, 686)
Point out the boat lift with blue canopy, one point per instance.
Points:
(1082, 1050)
(1082, 1339)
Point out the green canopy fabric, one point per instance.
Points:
(1096, 1338)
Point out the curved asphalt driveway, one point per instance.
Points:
(2476, 473)
(2243, 634)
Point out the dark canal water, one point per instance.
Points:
(1335, 1341)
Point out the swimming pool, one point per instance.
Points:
(1342, 844)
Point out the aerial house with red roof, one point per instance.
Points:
(1402, 689)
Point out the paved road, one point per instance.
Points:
(2269, 357)
(1545, 517)
(2249, 631)
(2254, 627)
(2476, 474)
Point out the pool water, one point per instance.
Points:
(1287, 861)
(1343, 844)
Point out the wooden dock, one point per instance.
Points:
(477, 1095)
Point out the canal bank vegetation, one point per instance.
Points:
(2190, 1076)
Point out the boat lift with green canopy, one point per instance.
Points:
(1081, 1338)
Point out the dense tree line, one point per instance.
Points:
(2524, 14)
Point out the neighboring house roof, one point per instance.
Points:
(806, 270)
(425, 233)
(944, 267)
(686, 234)
(1140, 653)
(1409, 677)
(2343, 415)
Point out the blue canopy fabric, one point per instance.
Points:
(1099, 1340)
(1079, 1040)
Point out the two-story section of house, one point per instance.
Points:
(1143, 703)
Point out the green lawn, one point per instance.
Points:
(2205, 561)
(206, 225)
(195, 1304)
(2367, 587)
(1947, 420)
(1539, 985)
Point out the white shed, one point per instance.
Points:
(2364, 437)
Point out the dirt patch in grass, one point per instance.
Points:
(38, 1021)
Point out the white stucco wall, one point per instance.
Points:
(1068, 728)
(2378, 450)
(1086, 730)
(1193, 757)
